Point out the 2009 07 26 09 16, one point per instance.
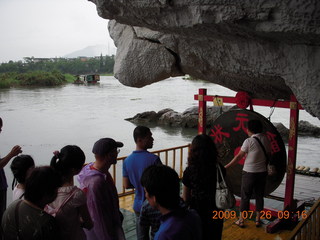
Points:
(221, 214)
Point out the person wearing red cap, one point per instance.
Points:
(102, 197)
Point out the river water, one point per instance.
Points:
(42, 120)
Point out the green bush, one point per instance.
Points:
(37, 78)
(70, 78)
(8, 79)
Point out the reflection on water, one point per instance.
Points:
(42, 120)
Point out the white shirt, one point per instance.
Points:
(255, 160)
(17, 193)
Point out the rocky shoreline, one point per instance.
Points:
(189, 119)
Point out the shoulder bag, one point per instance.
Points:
(270, 168)
(224, 196)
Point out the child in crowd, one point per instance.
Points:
(162, 187)
(149, 220)
(70, 206)
(20, 167)
(25, 219)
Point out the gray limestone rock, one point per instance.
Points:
(169, 117)
(307, 129)
(144, 117)
(270, 49)
(189, 119)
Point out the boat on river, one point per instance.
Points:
(87, 79)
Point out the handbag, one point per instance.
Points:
(271, 169)
(224, 196)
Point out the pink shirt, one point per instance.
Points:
(68, 217)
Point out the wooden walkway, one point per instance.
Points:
(306, 189)
(230, 231)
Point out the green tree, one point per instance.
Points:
(64, 65)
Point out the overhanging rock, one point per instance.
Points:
(270, 49)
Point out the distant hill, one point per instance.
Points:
(92, 51)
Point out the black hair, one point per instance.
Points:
(255, 126)
(42, 182)
(70, 157)
(201, 168)
(203, 152)
(162, 182)
(19, 167)
(140, 132)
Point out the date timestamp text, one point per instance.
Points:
(220, 214)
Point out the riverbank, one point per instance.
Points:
(36, 78)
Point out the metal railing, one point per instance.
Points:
(308, 228)
(168, 157)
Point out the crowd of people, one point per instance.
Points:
(48, 205)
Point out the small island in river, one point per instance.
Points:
(36, 78)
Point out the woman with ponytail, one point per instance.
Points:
(70, 206)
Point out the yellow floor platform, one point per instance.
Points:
(230, 230)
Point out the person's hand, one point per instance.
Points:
(15, 150)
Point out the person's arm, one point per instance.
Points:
(236, 159)
(85, 217)
(126, 183)
(158, 161)
(125, 177)
(14, 152)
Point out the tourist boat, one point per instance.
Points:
(87, 79)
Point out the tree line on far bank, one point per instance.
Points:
(51, 71)
(75, 66)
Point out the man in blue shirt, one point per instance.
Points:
(133, 167)
(162, 187)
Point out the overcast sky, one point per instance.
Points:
(49, 28)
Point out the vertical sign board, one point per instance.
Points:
(229, 132)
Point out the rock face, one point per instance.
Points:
(189, 119)
(169, 117)
(270, 49)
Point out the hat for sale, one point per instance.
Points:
(105, 145)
